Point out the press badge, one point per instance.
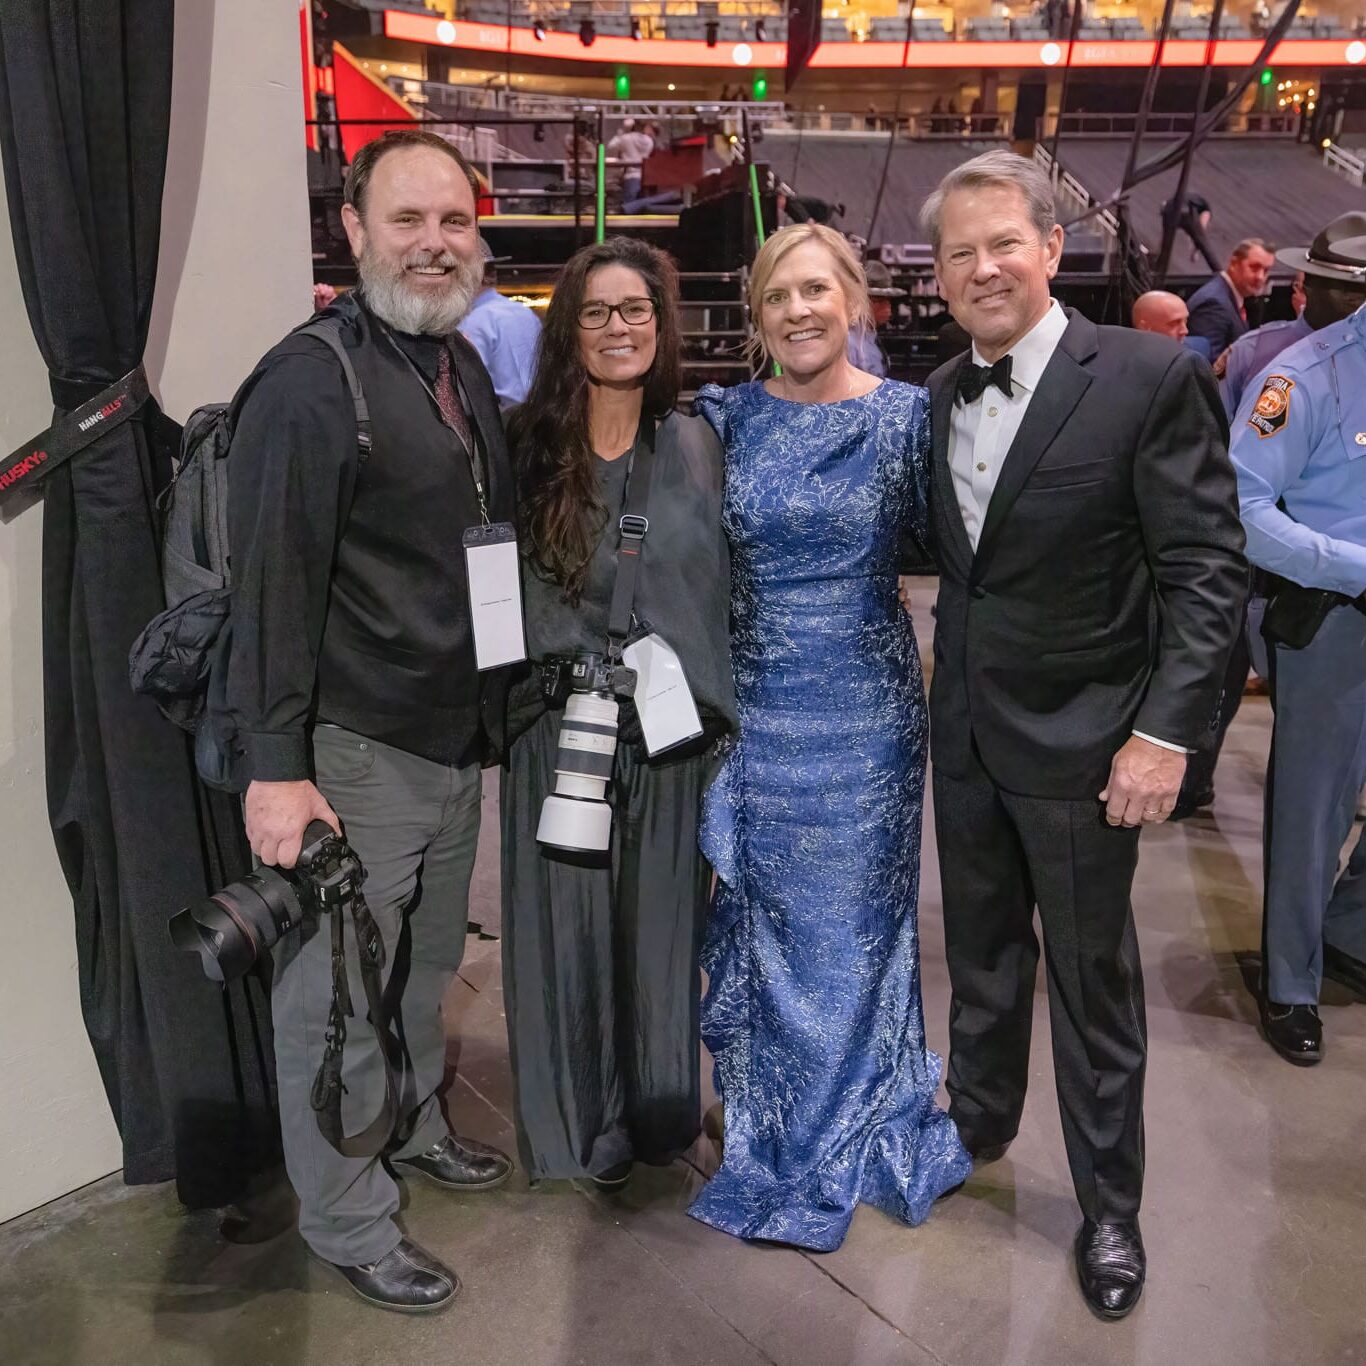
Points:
(668, 715)
(495, 579)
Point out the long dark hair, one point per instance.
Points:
(557, 485)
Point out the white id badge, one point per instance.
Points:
(668, 715)
(495, 580)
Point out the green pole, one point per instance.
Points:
(758, 215)
(602, 183)
(754, 198)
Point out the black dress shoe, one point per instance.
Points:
(407, 1279)
(614, 1178)
(461, 1164)
(1295, 1032)
(988, 1152)
(1345, 970)
(1111, 1266)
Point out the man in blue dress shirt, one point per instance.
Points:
(1299, 448)
(505, 333)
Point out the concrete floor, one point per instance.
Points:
(1255, 1214)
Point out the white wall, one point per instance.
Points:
(235, 274)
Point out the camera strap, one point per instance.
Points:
(633, 526)
(328, 1087)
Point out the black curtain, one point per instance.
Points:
(85, 94)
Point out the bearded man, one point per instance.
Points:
(351, 681)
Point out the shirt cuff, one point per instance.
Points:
(277, 756)
(1163, 744)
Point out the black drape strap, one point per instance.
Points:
(74, 393)
(109, 406)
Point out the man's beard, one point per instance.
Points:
(423, 311)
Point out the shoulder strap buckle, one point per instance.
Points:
(633, 526)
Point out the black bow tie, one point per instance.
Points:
(973, 379)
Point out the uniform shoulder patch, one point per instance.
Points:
(1272, 410)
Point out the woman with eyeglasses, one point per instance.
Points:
(600, 950)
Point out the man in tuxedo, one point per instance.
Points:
(1091, 584)
(1218, 309)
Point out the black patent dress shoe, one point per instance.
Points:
(1345, 970)
(1111, 1266)
(407, 1279)
(614, 1178)
(1295, 1032)
(461, 1164)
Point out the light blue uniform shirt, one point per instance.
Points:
(506, 335)
(1252, 353)
(864, 352)
(1300, 437)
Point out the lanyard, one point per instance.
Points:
(476, 458)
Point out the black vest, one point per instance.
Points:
(397, 655)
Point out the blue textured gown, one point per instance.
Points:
(813, 1010)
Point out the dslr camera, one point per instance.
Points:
(232, 929)
(576, 816)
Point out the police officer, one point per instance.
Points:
(1327, 298)
(1299, 448)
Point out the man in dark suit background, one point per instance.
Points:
(1091, 585)
(1218, 309)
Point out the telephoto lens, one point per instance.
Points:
(576, 816)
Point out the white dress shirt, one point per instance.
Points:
(981, 432)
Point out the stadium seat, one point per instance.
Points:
(834, 31)
(684, 26)
(988, 30)
(931, 31)
(887, 30)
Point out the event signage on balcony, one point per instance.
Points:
(679, 52)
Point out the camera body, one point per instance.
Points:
(232, 929)
(585, 671)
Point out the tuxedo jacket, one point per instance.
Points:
(1108, 583)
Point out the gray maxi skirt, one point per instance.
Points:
(600, 971)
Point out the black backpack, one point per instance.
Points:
(175, 659)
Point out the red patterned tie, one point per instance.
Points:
(448, 399)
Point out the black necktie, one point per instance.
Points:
(973, 379)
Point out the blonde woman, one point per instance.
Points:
(813, 1010)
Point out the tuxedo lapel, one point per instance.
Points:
(943, 385)
(1063, 382)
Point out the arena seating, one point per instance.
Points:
(1257, 187)
(846, 168)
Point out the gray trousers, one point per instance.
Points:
(414, 824)
(1318, 766)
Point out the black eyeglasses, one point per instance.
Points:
(635, 311)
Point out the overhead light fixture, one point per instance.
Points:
(445, 32)
(1050, 54)
(760, 31)
(588, 33)
(672, 86)
(742, 54)
(635, 29)
(538, 31)
(713, 32)
(1356, 53)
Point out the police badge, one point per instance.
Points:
(1272, 409)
